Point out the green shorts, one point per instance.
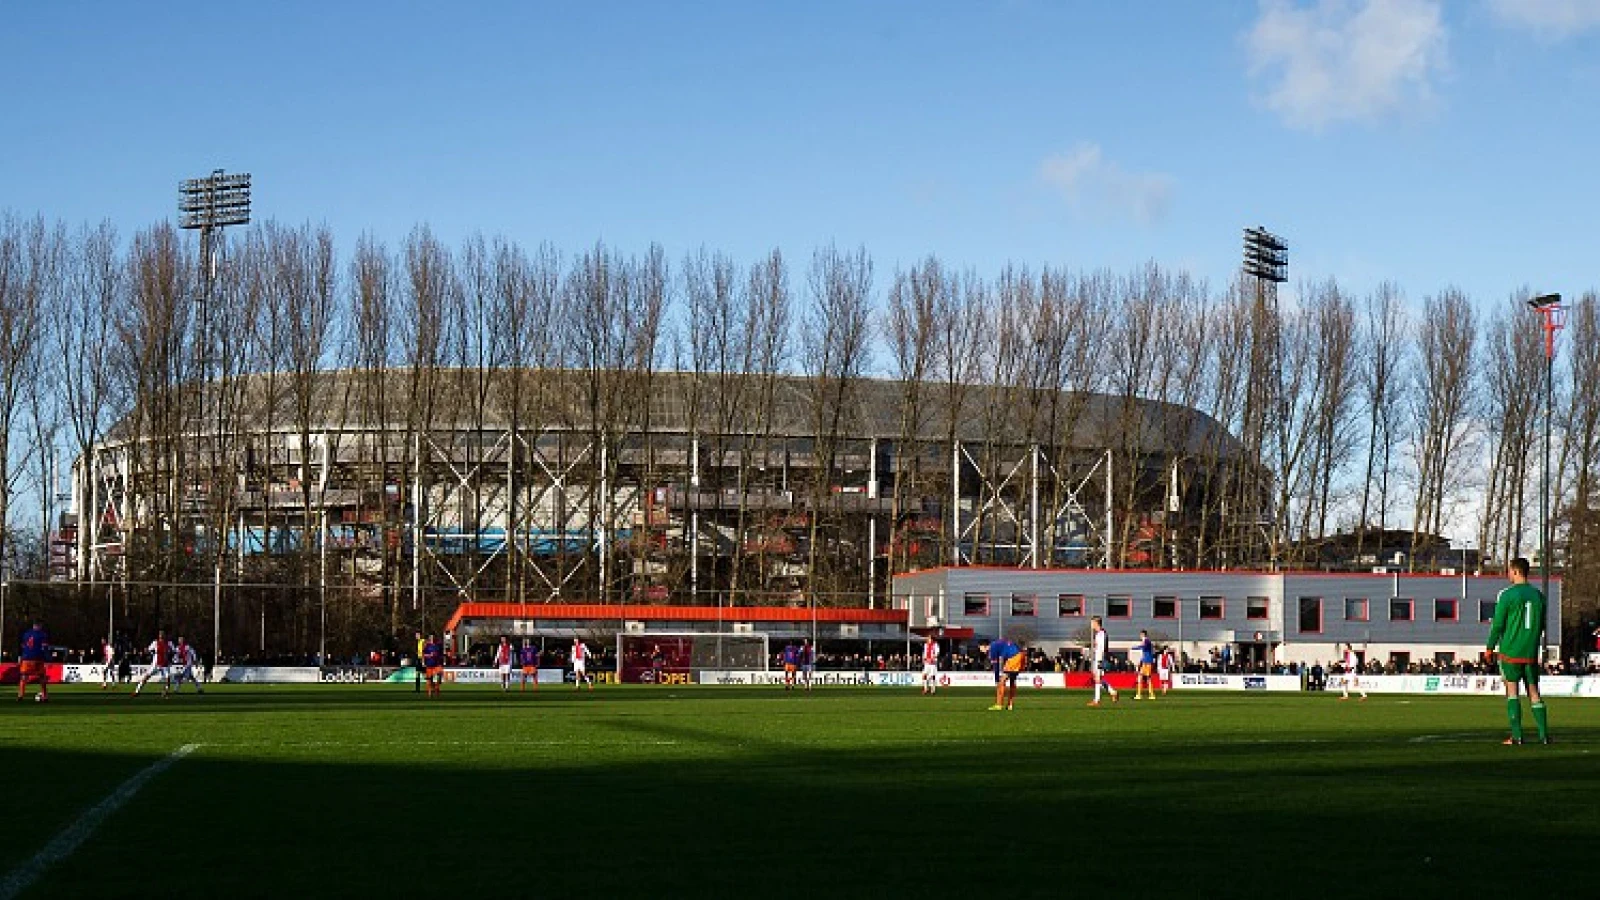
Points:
(1527, 673)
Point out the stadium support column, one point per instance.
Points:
(322, 588)
(955, 502)
(416, 531)
(872, 525)
(694, 522)
(1552, 317)
(1033, 506)
(1111, 518)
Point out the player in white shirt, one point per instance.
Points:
(502, 661)
(930, 665)
(108, 659)
(1352, 668)
(1101, 650)
(1164, 669)
(580, 665)
(184, 659)
(160, 665)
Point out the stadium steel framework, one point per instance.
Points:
(511, 487)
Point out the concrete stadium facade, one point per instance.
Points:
(577, 486)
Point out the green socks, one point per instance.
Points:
(1514, 713)
(1541, 720)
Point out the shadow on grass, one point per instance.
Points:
(1042, 818)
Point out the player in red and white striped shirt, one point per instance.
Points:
(580, 665)
(1352, 671)
(930, 665)
(160, 651)
(502, 661)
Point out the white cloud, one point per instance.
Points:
(1554, 18)
(1346, 60)
(1089, 181)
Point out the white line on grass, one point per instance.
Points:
(65, 843)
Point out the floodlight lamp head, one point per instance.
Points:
(1544, 301)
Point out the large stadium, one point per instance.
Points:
(683, 491)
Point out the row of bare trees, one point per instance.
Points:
(1369, 414)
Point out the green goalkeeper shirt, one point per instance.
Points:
(1518, 622)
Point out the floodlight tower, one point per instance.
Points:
(209, 205)
(1266, 259)
(1552, 318)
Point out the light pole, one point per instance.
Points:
(1552, 317)
(1266, 259)
(209, 205)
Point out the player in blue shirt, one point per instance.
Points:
(1007, 659)
(529, 657)
(433, 665)
(791, 665)
(1147, 667)
(35, 655)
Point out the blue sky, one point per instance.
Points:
(1426, 142)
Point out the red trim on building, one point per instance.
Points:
(602, 612)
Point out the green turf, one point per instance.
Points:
(729, 792)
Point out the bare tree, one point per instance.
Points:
(834, 342)
(1443, 404)
(1511, 404)
(1385, 343)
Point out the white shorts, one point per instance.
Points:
(161, 672)
(505, 669)
(577, 668)
(930, 670)
(1164, 674)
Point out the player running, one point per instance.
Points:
(160, 651)
(1164, 665)
(1352, 673)
(35, 658)
(1147, 667)
(529, 657)
(184, 659)
(1101, 652)
(433, 666)
(502, 661)
(930, 665)
(580, 665)
(1515, 635)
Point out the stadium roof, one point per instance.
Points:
(462, 399)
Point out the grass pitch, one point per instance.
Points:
(372, 791)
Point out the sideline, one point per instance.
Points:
(68, 841)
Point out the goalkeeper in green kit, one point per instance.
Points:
(1515, 635)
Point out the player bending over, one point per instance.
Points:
(502, 661)
(1352, 669)
(1007, 658)
(930, 665)
(1515, 635)
(160, 665)
(184, 659)
(1101, 644)
(530, 665)
(35, 658)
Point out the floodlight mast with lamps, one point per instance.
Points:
(1552, 318)
(1266, 259)
(209, 205)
